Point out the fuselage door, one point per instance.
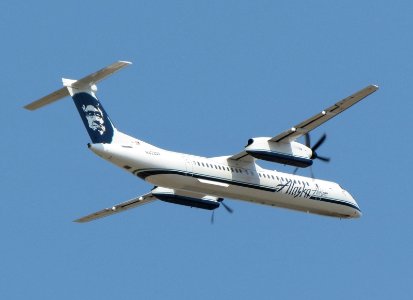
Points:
(189, 166)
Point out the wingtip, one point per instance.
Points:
(79, 221)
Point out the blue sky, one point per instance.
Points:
(207, 76)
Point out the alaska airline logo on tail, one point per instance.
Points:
(94, 117)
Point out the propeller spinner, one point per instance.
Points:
(313, 148)
(316, 146)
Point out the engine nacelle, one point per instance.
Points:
(168, 195)
(293, 153)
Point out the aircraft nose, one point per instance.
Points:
(356, 210)
(357, 213)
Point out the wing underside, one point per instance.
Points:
(164, 194)
(144, 199)
(322, 117)
(311, 123)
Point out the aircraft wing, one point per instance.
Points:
(144, 199)
(306, 126)
(315, 121)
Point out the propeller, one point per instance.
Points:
(314, 150)
(227, 208)
(316, 146)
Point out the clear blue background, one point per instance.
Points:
(207, 75)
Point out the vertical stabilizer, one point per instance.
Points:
(97, 122)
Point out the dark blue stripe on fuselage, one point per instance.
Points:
(146, 173)
(151, 172)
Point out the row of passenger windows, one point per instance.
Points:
(212, 166)
(245, 171)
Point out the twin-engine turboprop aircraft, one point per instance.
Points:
(204, 182)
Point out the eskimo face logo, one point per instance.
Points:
(94, 118)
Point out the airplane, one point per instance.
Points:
(204, 182)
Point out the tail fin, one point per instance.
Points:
(96, 120)
(94, 117)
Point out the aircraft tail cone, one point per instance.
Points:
(98, 149)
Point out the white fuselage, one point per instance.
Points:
(225, 178)
(203, 182)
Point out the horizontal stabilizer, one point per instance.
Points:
(99, 75)
(59, 94)
(85, 82)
